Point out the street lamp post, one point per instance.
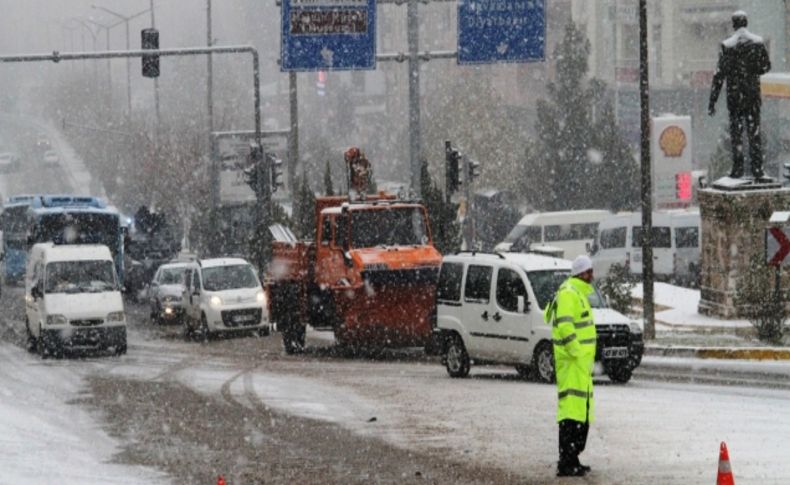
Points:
(107, 28)
(125, 19)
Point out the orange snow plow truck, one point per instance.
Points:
(369, 275)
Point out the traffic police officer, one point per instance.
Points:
(573, 333)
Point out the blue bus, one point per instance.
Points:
(68, 219)
(15, 222)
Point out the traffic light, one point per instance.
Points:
(452, 168)
(473, 169)
(276, 168)
(683, 186)
(253, 173)
(150, 40)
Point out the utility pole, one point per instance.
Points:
(210, 112)
(156, 83)
(413, 31)
(293, 136)
(647, 186)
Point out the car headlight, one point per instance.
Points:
(115, 317)
(636, 328)
(260, 297)
(57, 320)
(215, 302)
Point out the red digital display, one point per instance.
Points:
(683, 186)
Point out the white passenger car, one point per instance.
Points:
(490, 311)
(73, 299)
(223, 295)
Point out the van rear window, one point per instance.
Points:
(662, 237)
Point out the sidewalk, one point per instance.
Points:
(682, 332)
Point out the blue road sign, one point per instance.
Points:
(328, 35)
(501, 31)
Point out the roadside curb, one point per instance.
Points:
(742, 353)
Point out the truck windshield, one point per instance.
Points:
(388, 227)
(221, 278)
(92, 276)
(546, 283)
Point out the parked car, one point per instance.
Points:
(51, 158)
(223, 295)
(490, 311)
(166, 293)
(73, 299)
(570, 231)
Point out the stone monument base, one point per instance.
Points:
(733, 226)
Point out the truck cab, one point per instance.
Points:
(369, 276)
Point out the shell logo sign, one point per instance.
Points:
(672, 141)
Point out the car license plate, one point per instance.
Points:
(243, 318)
(615, 352)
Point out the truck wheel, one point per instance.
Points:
(456, 358)
(544, 362)
(188, 333)
(120, 348)
(41, 346)
(619, 373)
(293, 338)
(204, 334)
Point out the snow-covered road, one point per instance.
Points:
(646, 432)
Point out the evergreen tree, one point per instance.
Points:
(304, 209)
(441, 213)
(328, 188)
(614, 172)
(574, 153)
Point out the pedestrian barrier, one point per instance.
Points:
(724, 476)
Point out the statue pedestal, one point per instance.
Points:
(733, 226)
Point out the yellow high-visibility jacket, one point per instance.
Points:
(574, 336)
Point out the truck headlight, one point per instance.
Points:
(215, 302)
(115, 317)
(57, 320)
(260, 297)
(636, 328)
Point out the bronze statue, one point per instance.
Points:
(742, 59)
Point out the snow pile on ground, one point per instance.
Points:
(682, 306)
(43, 438)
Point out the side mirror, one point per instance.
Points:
(608, 301)
(196, 292)
(35, 292)
(347, 258)
(588, 247)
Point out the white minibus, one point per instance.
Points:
(571, 231)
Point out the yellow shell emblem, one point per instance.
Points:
(672, 141)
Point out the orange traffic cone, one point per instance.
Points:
(725, 472)
(220, 480)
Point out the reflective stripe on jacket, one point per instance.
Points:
(574, 337)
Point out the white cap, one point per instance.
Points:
(581, 264)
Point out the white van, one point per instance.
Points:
(570, 231)
(619, 241)
(73, 299)
(686, 238)
(489, 310)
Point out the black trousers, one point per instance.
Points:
(573, 439)
(748, 116)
